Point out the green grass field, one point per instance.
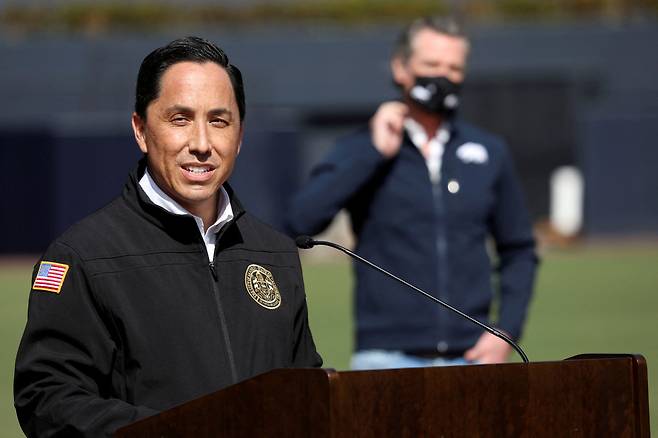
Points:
(591, 299)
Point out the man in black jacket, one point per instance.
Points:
(425, 190)
(172, 290)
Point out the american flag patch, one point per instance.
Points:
(50, 276)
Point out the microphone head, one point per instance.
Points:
(304, 242)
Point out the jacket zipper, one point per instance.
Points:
(441, 251)
(222, 320)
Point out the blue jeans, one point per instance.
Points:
(382, 359)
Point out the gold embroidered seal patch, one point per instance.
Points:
(261, 287)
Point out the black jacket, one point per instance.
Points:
(431, 234)
(143, 321)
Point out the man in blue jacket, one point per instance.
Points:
(425, 191)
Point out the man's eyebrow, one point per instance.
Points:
(187, 110)
(179, 109)
(220, 111)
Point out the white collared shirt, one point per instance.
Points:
(160, 198)
(437, 144)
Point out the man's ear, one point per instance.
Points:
(241, 137)
(399, 70)
(139, 129)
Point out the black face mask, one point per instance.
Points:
(436, 94)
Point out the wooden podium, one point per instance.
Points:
(583, 396)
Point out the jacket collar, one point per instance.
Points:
(139, 201)
(454, 126)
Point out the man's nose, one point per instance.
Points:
(443, 71)
(200, 141)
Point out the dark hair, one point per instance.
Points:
(444, 25)
(193, 49)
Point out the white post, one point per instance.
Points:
(567, 193)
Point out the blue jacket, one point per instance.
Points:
(429, 235)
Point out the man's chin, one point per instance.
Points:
(191, 197)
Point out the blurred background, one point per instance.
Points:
(572, 85)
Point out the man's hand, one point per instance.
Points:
(489, 349)
(387, 128)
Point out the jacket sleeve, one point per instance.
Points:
(332, 183)
(515, 245)
(62, 381)
(304, 351)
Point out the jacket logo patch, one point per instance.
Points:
(261, 287)
(50, 276)
(473, 153)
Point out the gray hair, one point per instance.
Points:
(443, 25)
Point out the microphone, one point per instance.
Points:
(306, 242)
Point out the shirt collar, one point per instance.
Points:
(418, 135)
(157, 196)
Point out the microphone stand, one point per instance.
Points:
(306, 242)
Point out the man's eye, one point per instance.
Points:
(219, 122)
(179, 120)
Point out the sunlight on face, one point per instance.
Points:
(432, 54)
(191, 134)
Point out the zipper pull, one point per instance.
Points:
(211, 265)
